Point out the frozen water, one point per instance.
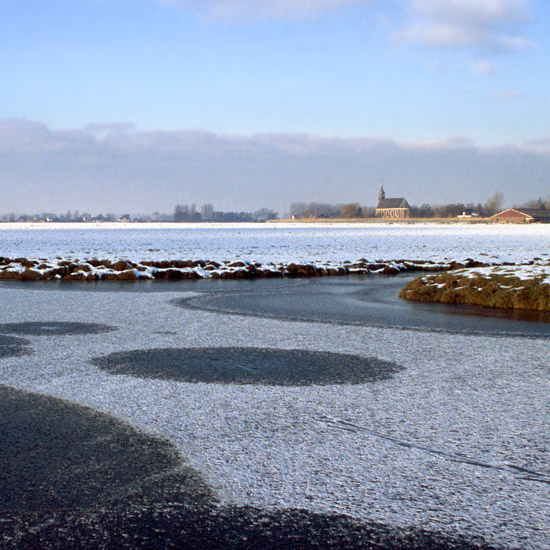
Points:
(457, 441)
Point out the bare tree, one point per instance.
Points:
(265, 214)
(207, 212)
(535, 203)
(351, 210)
(494, 204)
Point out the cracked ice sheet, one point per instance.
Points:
(482, 398)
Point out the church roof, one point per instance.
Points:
(392, 203)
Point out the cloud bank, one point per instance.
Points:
(118, 169)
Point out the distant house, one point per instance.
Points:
(467, 214)
(523, 215)
(391, 208)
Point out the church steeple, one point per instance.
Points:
(381, 194)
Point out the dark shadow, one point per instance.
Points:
(57, 455)
(54, 328)
(10, 346)
(263, 366)
(172, 526)
(72, 478)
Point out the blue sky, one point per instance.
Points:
(350, 69)
(417, 72)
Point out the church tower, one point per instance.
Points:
(381, 194)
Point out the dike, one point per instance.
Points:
(91, 270)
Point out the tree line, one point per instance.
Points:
(207, 213)
(72, 217)
(302, 210)
(182, 213)
(299, 210)
(326, 210)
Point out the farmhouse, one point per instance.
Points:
(523, 215)
(391, 208)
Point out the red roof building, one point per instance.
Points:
(525, 215)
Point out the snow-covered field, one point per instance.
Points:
(457, 441)
(279, 242)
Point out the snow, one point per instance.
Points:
(277, 242)
(521, 272)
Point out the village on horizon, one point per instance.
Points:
(387, 209)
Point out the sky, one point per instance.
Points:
(117, 105)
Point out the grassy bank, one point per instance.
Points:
(518, 287)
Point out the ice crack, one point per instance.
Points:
(527, 474)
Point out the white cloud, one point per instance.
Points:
(488, 24)
(100, 129)
(506, 95)
(262, 9)
(541, 145)
(483, 68)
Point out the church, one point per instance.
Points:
(391, 208)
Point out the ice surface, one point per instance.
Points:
(439, 445)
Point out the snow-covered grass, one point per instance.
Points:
(516, 287)
(530, 272)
